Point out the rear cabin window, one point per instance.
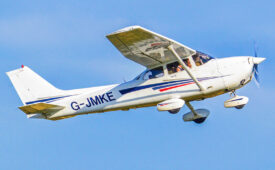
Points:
(153, 73)
(201, 58)
(176, 67)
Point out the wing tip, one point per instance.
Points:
(125, 29)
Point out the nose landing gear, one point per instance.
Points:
(236, 101)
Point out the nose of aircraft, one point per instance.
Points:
(258, 60)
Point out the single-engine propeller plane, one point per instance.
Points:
(175, 75)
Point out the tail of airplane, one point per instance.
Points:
(38, 95)
(30, 86)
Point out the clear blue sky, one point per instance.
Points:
(64, 41)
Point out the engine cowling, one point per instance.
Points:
(171, 104)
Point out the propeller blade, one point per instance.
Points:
(256, 69)
(257, 80)
(256, 60)
(256, 75)
(255, 50)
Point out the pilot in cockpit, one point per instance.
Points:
(197, 60)
(187, 62)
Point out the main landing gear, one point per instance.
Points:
(197, 116)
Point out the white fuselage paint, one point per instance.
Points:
(218, 76)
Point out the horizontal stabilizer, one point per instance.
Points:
(40, 108)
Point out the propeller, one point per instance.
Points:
(255, 67)
(256, 60)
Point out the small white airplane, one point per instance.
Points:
(175, 76)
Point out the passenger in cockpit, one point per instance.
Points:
(179, 68)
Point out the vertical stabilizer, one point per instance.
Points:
(30, 86)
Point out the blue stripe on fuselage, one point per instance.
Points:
(124, 91)
(172, 84)
(163, 85)
(47, 100)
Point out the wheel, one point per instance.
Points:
(240, 106)
(174, 111)
(200, 120)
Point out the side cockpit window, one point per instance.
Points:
(176, 67)
(153, 73)
(201, 58)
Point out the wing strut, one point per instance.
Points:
(170, 47)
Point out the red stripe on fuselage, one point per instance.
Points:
(168, 88)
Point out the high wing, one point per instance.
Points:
(146, 47)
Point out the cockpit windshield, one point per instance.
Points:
(201, 58)
(151, 74)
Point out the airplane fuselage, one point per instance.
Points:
(219, 76)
